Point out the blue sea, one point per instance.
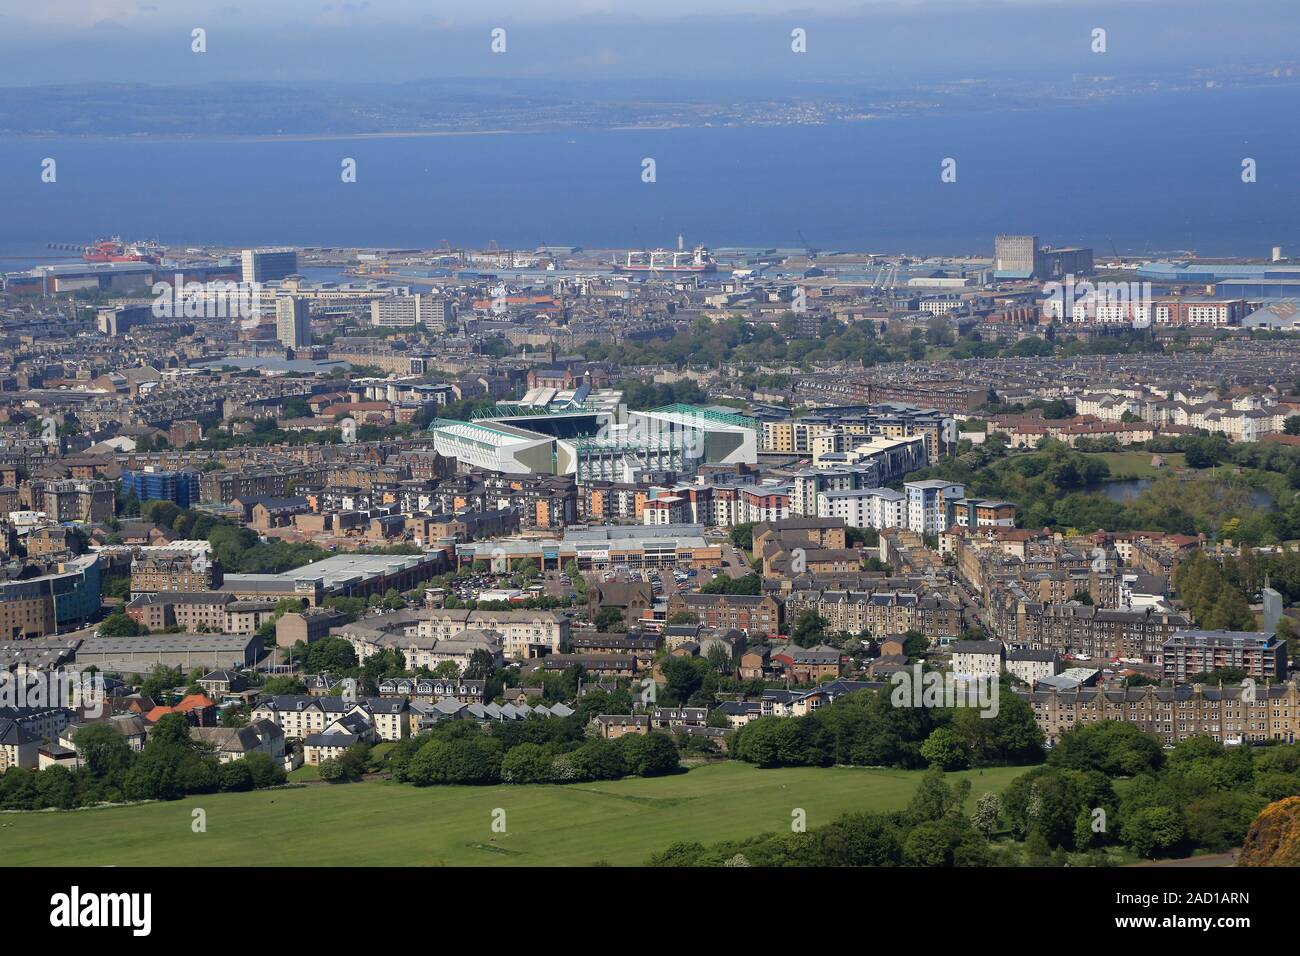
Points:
(1141, 175)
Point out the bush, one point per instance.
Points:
(265, 771)
(1276, 786)
(56, 787)
(652, 755)
(348, 767)
(780, 742)
(599, 759)
(1219, 821)
(235, 775)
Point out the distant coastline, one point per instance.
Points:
(258, 137)
(181, 114)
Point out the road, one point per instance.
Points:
(973, 611)
(734, 560)
(1211, 859)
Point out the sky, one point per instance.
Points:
(71, 41)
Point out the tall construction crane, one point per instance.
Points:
(809, 251)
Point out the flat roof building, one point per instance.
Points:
(140, 655)
(345, 575)
(1259, 653)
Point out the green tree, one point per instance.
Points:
(944, 749)
(118, 624)
(235, 775)
(481, 665)
(683, 677)
(599, 759)
(463, 761)
(1153, 830)
(282, 686)
(329, 654)
(265, 771)
(742, 536)
(162, 678)
(1114, 748)
(724, 584)
(608, 619)
(104, 753)
(809, 630)
(988, 811)
(526, 763)
(56, 788)
(650, 755)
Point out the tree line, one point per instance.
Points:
(173, 764)
(1198, 796)
(535, 750)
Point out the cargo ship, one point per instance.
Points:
(667, 260)
(115, 250)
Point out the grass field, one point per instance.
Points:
(620, 822)
(1137, 464)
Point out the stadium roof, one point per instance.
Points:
(710, 413)
(485, 432)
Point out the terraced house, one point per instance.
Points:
(1225, 713)
(1099, 633)
(880, 613)
(434, 688)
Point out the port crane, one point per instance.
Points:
(886, 278)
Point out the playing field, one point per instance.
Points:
(620, 822)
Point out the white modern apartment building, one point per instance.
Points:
(877, 508)
(810, 483)
(927, 504)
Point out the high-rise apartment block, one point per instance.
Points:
(292, 321)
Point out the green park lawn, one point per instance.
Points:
(1137, 464)
(382, 823)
